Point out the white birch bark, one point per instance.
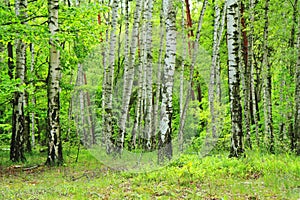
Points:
(18, 118)
(137, 129)
(183, 53)
(213, 71)
(108, 84)
(233, 38)
(214, 92)
(165, 142)
(252, 70)
(217, 58)
(54, 74)
(82, 119)
(129, 74)
(104, 63)
(267, 84)
(142, 83)
(148, 54)
(156, 118)
(33, 100)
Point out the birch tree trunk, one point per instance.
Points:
(213, 71)
(27, 139)
(156, 118)
(234, 77)
(55, 155)
(82, 124)
(108, 84)
(165, 131)
(104, 63)
(246, 78)
(267, 84)
(148, 64)
(136, 131)
(291, 131)
(252, 71)
(33, 100)
(18, 118)
(129, 75)
(90, 118)
(181, 103)
(297, 97)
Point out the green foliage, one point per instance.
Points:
(258, 176)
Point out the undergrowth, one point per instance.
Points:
(257, 176)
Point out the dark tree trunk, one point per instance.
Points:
(10, 60)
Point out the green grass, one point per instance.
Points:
(258, 176)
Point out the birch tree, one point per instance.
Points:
(55, 155)
(129, 74)
(297, 97)
(18, 118)
(181, 103)
(252, 70)
(33, 100)
(82, 124)
(292, 43)
(267, 83)
(234, 77)
(148, 54)
(108, 84)
(245, 75)
(165, 130)
(213, 85)
(159, 72)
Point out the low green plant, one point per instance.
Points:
(256, 176)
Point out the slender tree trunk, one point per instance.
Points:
(119, 58)
(55, 156)
(148, 53)
(233, 41)
(10, 62)
(181, 103)
(82, 124)
(129, 75)
(246, 79)
(90, 118)
(252, 72)
(267, 84)
(33, 100)
(213, 71)
(189, 91)
(27, 139)
(191, 45)
(104, 63)
(189, 26)
(137, 129)
(108, 84)
(159, 70)
(297, 97)
(294, 23)
(18, 118)
(10, 54)
(291, 131)
(165, 132)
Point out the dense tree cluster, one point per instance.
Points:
(131, 75)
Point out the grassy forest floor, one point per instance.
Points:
(257, 176)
